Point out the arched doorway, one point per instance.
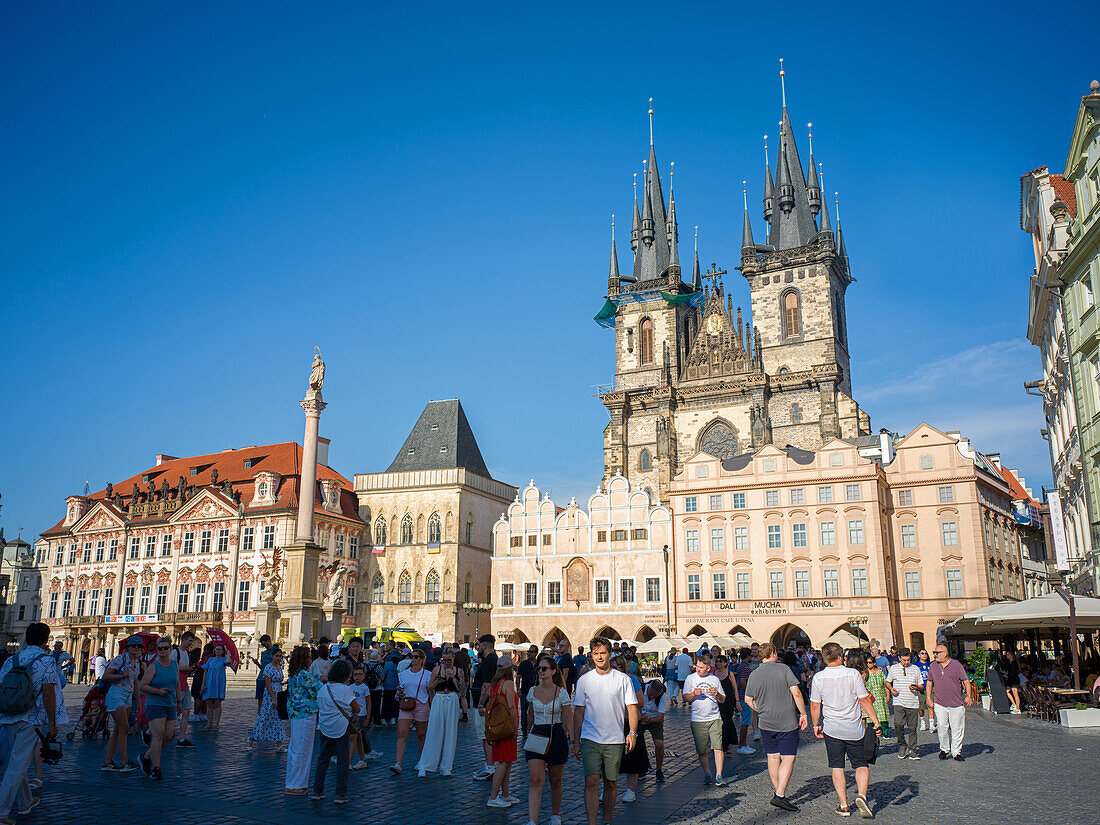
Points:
(789, 633)
(739, 629)
(644, 634)
(847, 627)
(518, 637)
(609, 633)
(553, 636)
(698, 630)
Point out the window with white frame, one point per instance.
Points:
(836, 460)
(859, 581)
(1088, 298)
(740, 538)
(802, 584)
(112, 552)
(405, 586)
(182, 596)
(769, 465)
(93, 603)
(717, 540)
(798, 496)
(716, 501)
(832, 583)
(771, 498)
(908, 535)
(205, 540)
(200, 597)
(744, 586)
(905, 498)
(100, 548)
(188, 544)
(946, 494)
(954, 584)
(693, 587)
(223, 541)
(108, 600)
(135, 547)
(530, 594)
(855, 531)
(162, 599)
(652, 589)
(926, 463)
(603, 591)
(738, 501)
(218, 599)
(553, 593)
(692, 541)
(339, 550)
(775, 536)
(626, 591)
(52, 613)
(353, 547)
(949, 530)
(72, 553)
(775, 584)
(851, 492)
(691, 504)
(269, 537)
(86, 557)
(912, 584)
(60, 558)
(825, 495)
(81, 599)
(718, 585)
(350, 600)
(150, 547)
(248, 539)
(166, 544)
(798, 535)
(828, 534)
(143, 601)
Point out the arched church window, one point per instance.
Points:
(404, 588)
(719, 440)
(407, 530)
(643, 460)
(378, 589)
(646, 336)
(380, 531)
(431, 587)
(792, 314)
(796, 414)
(433, 528)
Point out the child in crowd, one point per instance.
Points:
(360, 744)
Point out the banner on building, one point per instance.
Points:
(1058, 532)
(147, 619)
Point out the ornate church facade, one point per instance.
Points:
(691, 374)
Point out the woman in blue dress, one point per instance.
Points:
(213, 688)
(269, 727)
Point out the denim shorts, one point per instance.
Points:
(159, 712)
(116, 698)
(746, 713)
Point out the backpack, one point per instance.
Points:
(17, 694)
(499, 722)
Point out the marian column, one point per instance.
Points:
(299, 609)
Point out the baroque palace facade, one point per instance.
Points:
(192, 543)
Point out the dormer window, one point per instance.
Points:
(194, 471)
(261, 491)
(248, 463)
(443, 449)
(435, 427)
(412, 450)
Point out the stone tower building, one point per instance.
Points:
(690, 373)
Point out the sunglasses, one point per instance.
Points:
(545, 667)
(159, 647)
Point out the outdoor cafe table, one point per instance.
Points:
(1068, 692)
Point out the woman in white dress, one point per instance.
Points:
(446, 688)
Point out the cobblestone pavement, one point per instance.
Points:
(1017, 770)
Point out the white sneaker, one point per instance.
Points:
(420, 774)
(555, 819)
(746, 750)
(933, 727)
(358, 766)
(496, 802)
(629, 796)
(372, 756)
(511, 800)
(756, 736)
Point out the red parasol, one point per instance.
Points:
(218, 636)
(148, 642)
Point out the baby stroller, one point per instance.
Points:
(93, 715)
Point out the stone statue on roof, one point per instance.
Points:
(135, 493)
(317, 374)
(213, 476)
(165, 488)
(110, 491)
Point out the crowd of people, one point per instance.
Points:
(553, 705)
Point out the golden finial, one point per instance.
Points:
(810, 126)
(612, 227)
(836, 205)
(697, 239)
(767, 163)
(745, 193)
(651, 121)
(782, 82)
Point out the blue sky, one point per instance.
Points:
(194, 196)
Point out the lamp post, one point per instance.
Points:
(477, 608)
(668, 607)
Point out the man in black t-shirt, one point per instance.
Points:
(483, 675)
(526, 677)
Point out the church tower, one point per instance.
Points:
(798, 281)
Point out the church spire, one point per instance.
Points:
(652, 260)
(792, 225)
(696, 277)
(826, 226)
(746, 234)
(613, 275)
(767, 183)
(637, 225)
(813, 188)
(841, 250)
(672, 234)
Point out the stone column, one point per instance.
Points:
(313, 405)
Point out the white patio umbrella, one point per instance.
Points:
(1043, 611)
(845, 639)
(743, 640)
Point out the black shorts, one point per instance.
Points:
(260, 688)
(558, 752)
(837, 748)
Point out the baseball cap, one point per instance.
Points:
(135, 641)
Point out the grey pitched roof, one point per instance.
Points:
(440, 440)
(794, 227)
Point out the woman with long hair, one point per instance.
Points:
(121, 676)
(160, 684)
(876, 686)
(196, 683)
(728, 708)
(301, 705)
(445, 688)
(550, 715)
(269, 727)
(636, 762)
(504, 750)
(213, 689)
(412, 685)
(927, 720)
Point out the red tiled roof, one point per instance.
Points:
(1065, 192)
(285, 459)
(1018, 491)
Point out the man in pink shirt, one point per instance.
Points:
(948, 689)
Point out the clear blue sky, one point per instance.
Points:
(195, 195)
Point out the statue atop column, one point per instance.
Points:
(335, 588)
(316, 375)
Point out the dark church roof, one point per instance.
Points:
(440, 440)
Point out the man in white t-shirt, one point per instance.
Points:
(905, 683)
(603, 700)
(838, 700)
(704, 692)
(99, 664)
(684, 666)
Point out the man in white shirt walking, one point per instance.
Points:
(905, 683)
(837, 695)
(704, 693)
(603, 700)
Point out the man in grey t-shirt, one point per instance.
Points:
(773, 692)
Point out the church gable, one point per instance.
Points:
(100, 517)
(206, 505)
(721, 343)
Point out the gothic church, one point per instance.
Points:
(690, 374)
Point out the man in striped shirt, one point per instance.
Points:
(905, 683)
